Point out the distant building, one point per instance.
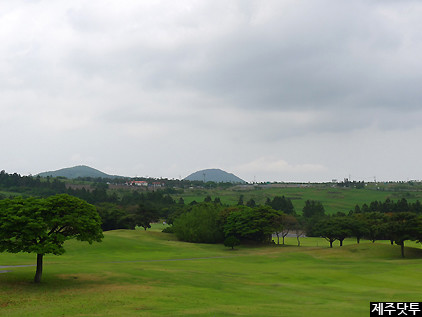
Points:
(138, 183)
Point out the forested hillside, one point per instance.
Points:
(245, 220)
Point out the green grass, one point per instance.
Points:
(138, 273)
(333, 199)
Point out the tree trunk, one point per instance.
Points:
(402, 249)
(38, 273)
(341, 243)
(392, 242)
(331, 243)
(298, 241)
(278, 239)
(358, 240)
(283, 240)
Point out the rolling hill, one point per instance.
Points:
(214, 175)
(78, 171)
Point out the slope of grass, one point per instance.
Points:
(333, 199)
(137, 273)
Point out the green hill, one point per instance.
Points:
(77, 171)
(214, 175)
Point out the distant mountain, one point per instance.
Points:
(77, 171)
(214, 175)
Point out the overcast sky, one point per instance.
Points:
(283, 90)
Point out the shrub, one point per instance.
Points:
(169, 229)
(231, 241)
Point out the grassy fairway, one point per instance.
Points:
(333, 199)
(137, 273)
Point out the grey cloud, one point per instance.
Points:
(331, 60)
(236, 81)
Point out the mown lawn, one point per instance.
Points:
(138, 273)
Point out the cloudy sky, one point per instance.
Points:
(283, 90)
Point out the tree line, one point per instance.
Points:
(125, 211)
(246, 222)
(210, 222)
(45, 186)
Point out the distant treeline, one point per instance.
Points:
(44, 186)
(210, 222)
(31, 186)
(117, 211)
(389, 206)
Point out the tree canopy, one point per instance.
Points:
(41, 226)
(199, 223)
(313, 209)
(282, 204)
(252, 224)
(404, 226)
(144, 215)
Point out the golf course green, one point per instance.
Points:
(150, 273)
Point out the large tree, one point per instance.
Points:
(312, 213)
(313, 209)
(404, 226)
(281, 203)
(252, 224)
(144, 215)
(328, 229)
(283, 224)
(299, 230)
(343, 225)
(199, 223)
(114, 217)
(42, 226)
(359, 226)
(376, 224)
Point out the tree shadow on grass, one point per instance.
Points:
(231, 250)
(24, 281)
(412, 253)
(369, 251)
